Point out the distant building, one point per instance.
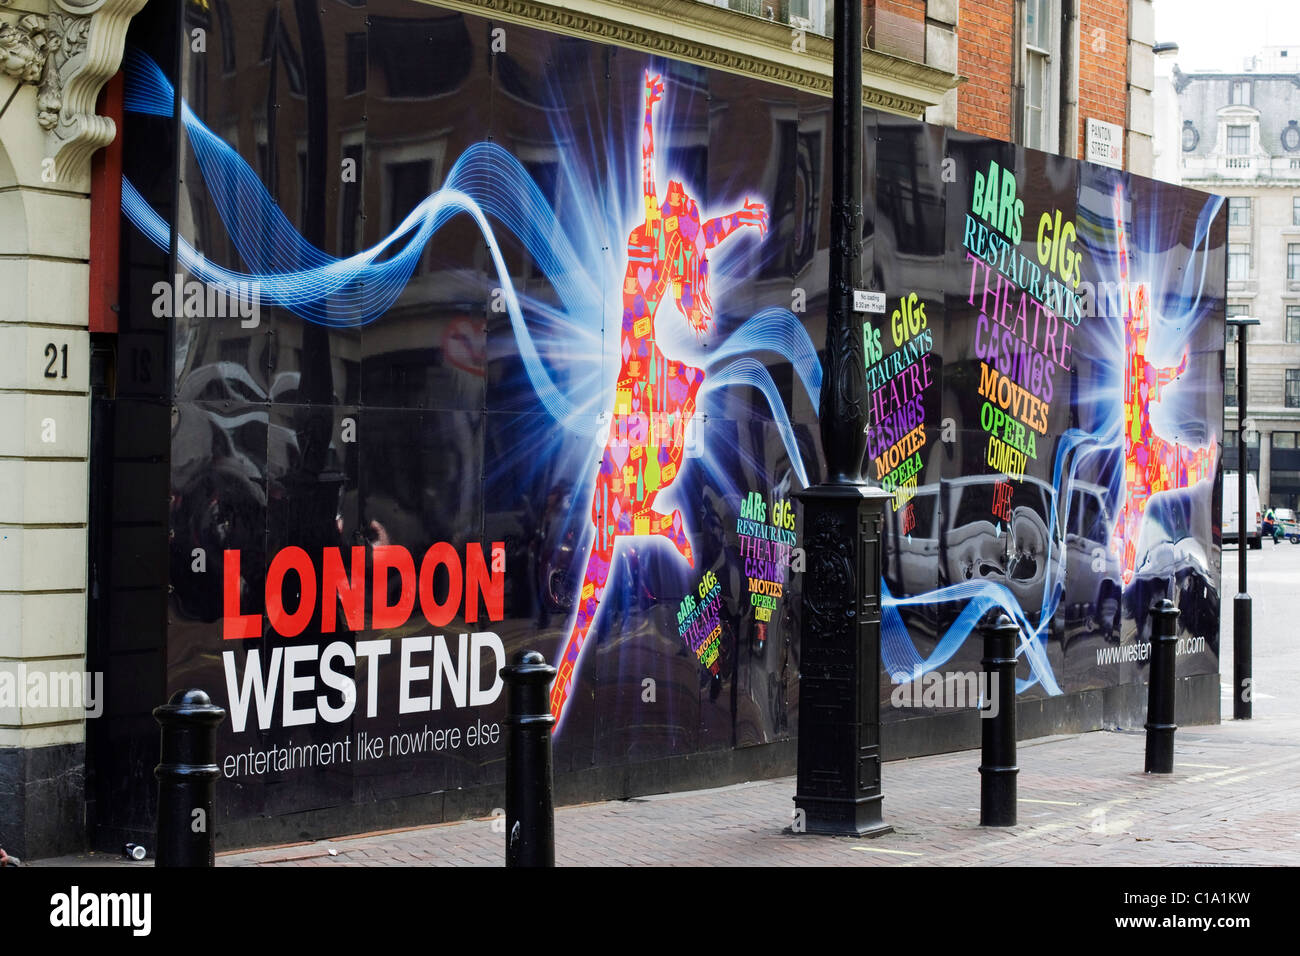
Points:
(1239, 136)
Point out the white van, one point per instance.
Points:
(1253, 538)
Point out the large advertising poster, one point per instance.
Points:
(489, 339)
(1048, 384)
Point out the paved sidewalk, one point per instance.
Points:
(1234, 799)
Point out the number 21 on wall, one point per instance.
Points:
(52, 353)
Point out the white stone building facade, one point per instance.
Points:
(1239, 137)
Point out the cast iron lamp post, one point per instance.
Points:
(838, 788)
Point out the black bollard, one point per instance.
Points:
(1160, 688)
(998, 724)
(530, 802)
(187, 774)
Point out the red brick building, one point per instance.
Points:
(1035, 71)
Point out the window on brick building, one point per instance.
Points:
(1293, 261)
(802, 8)
(350, 202)
(406, 185)
(1239, 210)
(816, 12)
(355, 62)
(805, 14)
(1238, 140)
(227, 25)
(1042, 73)
(1295, 210)
(1293, 323)
(1293, 388)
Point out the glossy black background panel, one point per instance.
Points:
(471, 410)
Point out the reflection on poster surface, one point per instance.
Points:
(562, 394)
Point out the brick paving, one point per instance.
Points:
(1234, 798)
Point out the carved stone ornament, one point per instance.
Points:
(68, 54)
(702, 19)
(22, 47)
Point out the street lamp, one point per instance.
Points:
(1241, 612)
(838, 788)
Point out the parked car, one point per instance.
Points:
(955, 537)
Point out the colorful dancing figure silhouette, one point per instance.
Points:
(1151, 464)
(656, 396)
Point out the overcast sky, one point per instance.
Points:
(1213, 34)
